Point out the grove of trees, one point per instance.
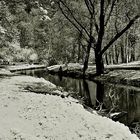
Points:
(63, 31)
(102, 23)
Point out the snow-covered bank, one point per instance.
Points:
(24, 67)
(126, 74)
(5, 72)
(70, 66)
(25, 115)
(71, 70)
(125, 77)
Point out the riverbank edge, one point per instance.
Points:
(16, 68)
(123, 77)
(116, 76)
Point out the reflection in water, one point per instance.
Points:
(60, 77)
(113, 97)
(99, 94)
(123, 98)
(86, 90)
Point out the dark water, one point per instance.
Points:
(111, 97)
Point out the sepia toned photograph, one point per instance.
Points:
(69, 69)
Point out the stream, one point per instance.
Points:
(108, 97)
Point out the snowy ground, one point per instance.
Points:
(70, 66)
(25, 66)
(4, 72)
(25, 115)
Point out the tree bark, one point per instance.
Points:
(106, 58)
(99, 65)
(73, 53)
(123, 58)
(79, 47)
(86, 58)
(116, 54)
(98, 55)
(79, 53)
(99, 61)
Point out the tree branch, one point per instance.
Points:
(79, 29)
(120, 33)
(88, 7)
(111, 10)
(69, 19)
(84, 29)
(90, 4)
(101, 25)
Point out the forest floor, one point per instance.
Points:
(26, 115)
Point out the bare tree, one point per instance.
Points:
(100, 14)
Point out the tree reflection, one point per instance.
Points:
(60, 77)
(87, 93)
(99, 95)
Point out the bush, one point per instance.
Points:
(52, 61)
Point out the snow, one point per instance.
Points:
(5, 72)
(125, 65)
(55, 67)
(24, 66)
(25, 115)
(69, 66)
(75, 66)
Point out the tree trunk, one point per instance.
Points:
(79, 52)
(99, 63)
(123, 58)
(98, 55)
(116, 54)
(73, 53)
(132, 58)
(99, 95)
(79, 47)
(106, 58)
(87, 58)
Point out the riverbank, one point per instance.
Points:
(125, 77)
(126, 74)
(19, 67)
(27, 115)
